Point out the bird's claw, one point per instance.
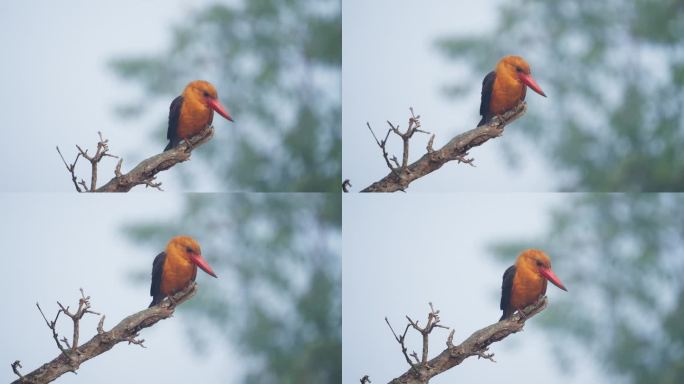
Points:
(522, 314)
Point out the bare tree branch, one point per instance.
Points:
(456, 149)
(71, 169)
(144, 173)
(476, 345)
(401, 340)
(433, 321)
(72, 355)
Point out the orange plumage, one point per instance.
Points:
(192, 111)
(176, 267)
(505, 87)
(524, 282)
(195, 114)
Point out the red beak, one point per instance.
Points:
(198, 260)
(550, 276)
(529, 81)
(216, 106)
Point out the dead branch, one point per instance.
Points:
(144, 173)
(401, 340)
(476, 345)
(413, 127)
(72, 355)
(457, 149)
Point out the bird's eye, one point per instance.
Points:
(188, 249)
(206, 94)
(539, 263)
(518, 69)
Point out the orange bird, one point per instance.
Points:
(504, 87)
(176, 267)
(525, 281)
(192, 111)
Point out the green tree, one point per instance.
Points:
(277, 65)
(620, 255)
(614, 73)
(278, 296)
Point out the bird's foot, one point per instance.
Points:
(190, 148)
(497, 120)
(172, 302)
(523, 316)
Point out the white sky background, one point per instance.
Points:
(402, 251)
(56, 244)
(390, 63)
(58, 89)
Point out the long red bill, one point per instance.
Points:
(200, 262)
(529, 81)
(216, 106)
(550, 276)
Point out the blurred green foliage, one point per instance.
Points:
(620, 255)
(277, 301)
(614, 74)
(276, 65)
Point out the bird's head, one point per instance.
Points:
(190, 249)
(206, 92)
(518, 65)
(539, 261)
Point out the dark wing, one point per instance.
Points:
(487, 87)
(155, 288)
(174, 116)
(506, 288)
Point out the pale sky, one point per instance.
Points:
(390, 63)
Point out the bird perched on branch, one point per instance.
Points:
(524, 282)
(504, 87)
(176, 267)
(192, 111)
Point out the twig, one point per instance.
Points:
(383, 147)
(144, 173)
(71, 168)
(52, 325)
(433, 321)
(476, 345)
(83, 308)
(456, 149)
(74, 355)
(401, 340)
(17, 364)
(100, 153)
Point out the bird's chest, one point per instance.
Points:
(506, 94)
(193, 118)
(177, 274)
(526, 289)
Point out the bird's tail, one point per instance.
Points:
(169, 146)
(506, 314)
(483, 121)
(156, 300)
